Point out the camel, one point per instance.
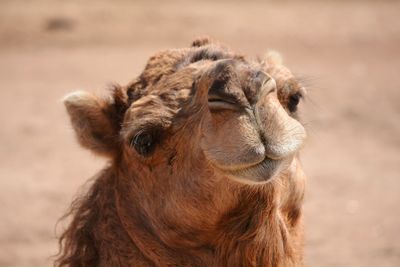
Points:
(203, 165)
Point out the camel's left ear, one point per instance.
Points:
(91, 118)
(273, 58)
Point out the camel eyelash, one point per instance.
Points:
(216, 102)
(216, 105)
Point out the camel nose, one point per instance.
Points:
(283, 135)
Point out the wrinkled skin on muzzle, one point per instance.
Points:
(247, 133)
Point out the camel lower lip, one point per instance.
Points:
(260, 172)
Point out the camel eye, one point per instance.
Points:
(143, 143)
(294, 101)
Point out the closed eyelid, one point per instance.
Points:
(222, 96)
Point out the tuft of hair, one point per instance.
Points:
(201, 41)
(77, 244)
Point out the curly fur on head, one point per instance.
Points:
(179, 137)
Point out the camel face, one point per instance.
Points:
(206, 106)
(247, 133)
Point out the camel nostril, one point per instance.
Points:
(261, 78)
(269, 86)
(266, 79)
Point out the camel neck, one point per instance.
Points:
(199, 230)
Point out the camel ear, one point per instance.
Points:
(91, 121)
(273, 58)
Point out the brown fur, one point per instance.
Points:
(172, 206)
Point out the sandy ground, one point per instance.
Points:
(349, 52)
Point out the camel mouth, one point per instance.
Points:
(261, 172)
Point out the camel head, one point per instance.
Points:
(201, 109)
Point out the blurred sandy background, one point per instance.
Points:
(348, 51)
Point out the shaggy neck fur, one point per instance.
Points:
(144, 218)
